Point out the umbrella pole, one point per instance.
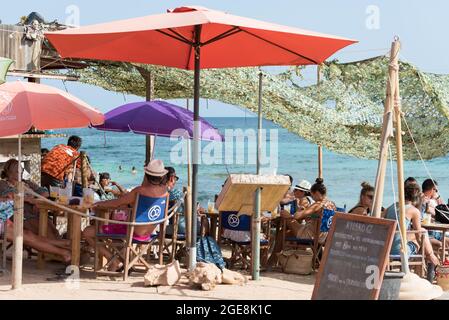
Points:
(320, 161)
(189, 162)
(195, 146)
(255, 241)
(320, 148)
(188, 204)
(149, 139)
(18, 227)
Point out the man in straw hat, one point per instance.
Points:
(154, 185)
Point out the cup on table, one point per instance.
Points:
(54, 192)
(427, 219)
(211, 207)
(63, 196)
(88, 196)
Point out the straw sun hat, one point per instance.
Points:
(156, 168)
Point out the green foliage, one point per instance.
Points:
(344, 113)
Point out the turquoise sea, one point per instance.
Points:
(297, 157)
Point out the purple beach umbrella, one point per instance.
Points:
(158, 118)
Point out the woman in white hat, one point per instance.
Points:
(302, 195)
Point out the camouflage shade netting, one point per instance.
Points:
(344, 114)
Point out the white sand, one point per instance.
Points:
(272, 285)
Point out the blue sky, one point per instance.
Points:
(421, 25)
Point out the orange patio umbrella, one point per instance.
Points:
(24, 105)
(195, 38)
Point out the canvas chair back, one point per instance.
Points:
(326, 220)
(149, 209)
(230, 220)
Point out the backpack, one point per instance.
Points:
(207, 250)
(442, 213)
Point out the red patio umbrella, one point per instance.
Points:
(24, 105)
(193, 38)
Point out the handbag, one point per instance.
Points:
(442, 213)
(296, 261)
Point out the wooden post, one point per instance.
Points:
(18, 236)
(149, 139)
(400, 161)
(43, 226)
(320, 161)
(387, 131)
(84, 170)
(76, 239)
(188, 214)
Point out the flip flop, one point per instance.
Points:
(59, 277)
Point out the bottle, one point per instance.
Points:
(427, 215)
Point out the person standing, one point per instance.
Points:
(60, 161)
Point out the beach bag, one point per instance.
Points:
(442, 275)
(296, 261)
(207, 250)
(442, 213)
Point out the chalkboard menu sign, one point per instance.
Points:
(355, 257)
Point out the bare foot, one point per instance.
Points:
(115, 267)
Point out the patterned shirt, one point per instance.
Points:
(175, 195)
(57, 162)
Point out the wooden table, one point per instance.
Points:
(439, 227)
(73, 229)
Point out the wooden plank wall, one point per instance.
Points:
(13, 46)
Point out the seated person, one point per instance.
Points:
(365, 204)
(74, 175)
(413, 222)
(30, 239)
(154, 185)
(58, 161)
(8, 184)
(302, 195)
(175, 196)
(106, 192)
(304, 231)
(429, 201)
(289, 195)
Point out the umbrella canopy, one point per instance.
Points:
(25, 104)
(195, 38)
(169, 39)
(158, 118)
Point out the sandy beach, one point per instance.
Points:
(272, 285)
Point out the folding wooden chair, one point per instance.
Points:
(322, 223)
(416, 262)
(134, 253)
(176, 241)
(241, 250)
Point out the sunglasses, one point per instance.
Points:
(370, 196)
